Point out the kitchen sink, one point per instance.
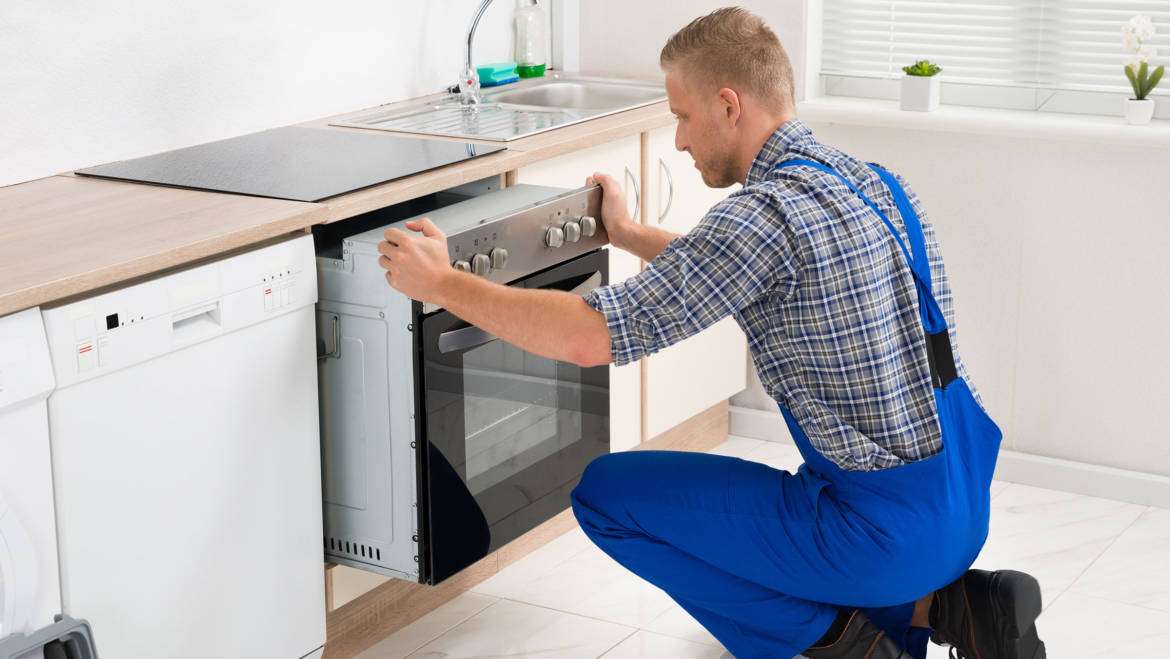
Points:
(581, 95)
(518, 110)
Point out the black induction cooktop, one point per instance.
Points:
(302, 164)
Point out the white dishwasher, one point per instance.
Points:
(186, 460)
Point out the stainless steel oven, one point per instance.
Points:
(441, 442)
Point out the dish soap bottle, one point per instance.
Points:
(531, 35)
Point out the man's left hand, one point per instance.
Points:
(416, 265)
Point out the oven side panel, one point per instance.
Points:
(367, 418)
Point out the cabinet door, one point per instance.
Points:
(621, 159)
(711, 366)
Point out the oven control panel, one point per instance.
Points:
(507, 234)
(532, 237)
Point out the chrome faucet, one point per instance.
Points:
(469, 83)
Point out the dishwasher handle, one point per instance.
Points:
(198, 321)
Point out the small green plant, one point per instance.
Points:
(923, 68)
(1143, 81)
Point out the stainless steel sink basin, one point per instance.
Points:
(518, 110)
(580, 95)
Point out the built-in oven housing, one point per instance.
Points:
(440, 442)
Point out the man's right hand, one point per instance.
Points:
(615, 215)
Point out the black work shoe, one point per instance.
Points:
(861, 639)
(989, 615)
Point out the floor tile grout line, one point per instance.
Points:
(1002, 490)
(709, 644)
(623, 624)
(558, 565)
(448, 630)
(1083, 593)
(633, 629)
(623, 640)
(1106, 549)
(1045, 607)
(661, 633)
(572, 613)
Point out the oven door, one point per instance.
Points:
(507, 433)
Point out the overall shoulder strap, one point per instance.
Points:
(910, 221)
(941, 357)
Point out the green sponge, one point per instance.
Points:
(491, 75)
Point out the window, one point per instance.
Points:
(1051, 55)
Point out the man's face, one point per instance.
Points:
(703, 129)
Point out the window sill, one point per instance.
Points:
(984, 121)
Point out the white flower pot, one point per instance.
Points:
(920, 93)
(1139, 113)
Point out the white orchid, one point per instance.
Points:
(1134, 35)
(1139, 29)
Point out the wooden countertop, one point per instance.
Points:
(65, 235)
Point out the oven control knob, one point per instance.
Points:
(461, 266)
(554, 237)
(499, 257)
(588, 226)
(481, 264)
(572, 231)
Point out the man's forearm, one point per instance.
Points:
(552, 324)
(644, 241)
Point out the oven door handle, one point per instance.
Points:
(466, 338)
(589, 284)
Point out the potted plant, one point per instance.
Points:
(920, 87)
(1135, 36)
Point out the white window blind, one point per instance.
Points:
(1037, 45)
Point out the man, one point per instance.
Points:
(865, 551)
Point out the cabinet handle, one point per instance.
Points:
(670, 185)
(637, 193)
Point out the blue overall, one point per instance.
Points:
(764, 559)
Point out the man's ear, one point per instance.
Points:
(732, 105)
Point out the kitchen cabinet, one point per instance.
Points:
(620, 159)
(711, 366)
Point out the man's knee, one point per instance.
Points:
(593, 479)
(598, 484)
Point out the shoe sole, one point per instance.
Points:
(1017, 602)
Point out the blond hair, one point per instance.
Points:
(732, 47)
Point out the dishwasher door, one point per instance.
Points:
(186, 461)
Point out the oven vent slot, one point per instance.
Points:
(353, 548)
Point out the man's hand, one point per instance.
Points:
(416, 265)
(614, 213)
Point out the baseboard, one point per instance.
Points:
(758, 424)
(1084, 478)
(1014, 467)
(700, 433)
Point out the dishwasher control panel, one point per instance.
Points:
(124, 327)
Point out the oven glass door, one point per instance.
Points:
(508, 433)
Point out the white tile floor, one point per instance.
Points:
(1104, 567)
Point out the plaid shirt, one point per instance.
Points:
(821, 290)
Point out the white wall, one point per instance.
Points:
(619, 37)
(83, 83)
